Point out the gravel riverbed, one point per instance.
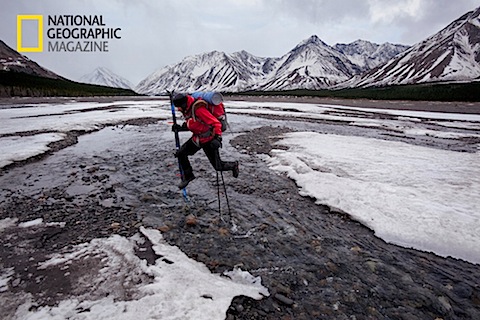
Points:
(316, 262)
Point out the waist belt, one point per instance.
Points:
(207, 134)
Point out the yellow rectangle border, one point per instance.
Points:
(39, 47)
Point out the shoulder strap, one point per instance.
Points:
(198, 103)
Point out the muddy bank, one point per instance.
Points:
(317, 264)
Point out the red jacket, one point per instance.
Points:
(200, 121)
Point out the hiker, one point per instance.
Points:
(207, 135)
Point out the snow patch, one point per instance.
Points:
(409, 195)
(178, 287)
(31, 223)
(19, 148)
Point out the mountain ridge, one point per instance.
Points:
(312, 64)
(452, 54)
(11, 60)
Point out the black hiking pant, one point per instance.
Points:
(189, 148)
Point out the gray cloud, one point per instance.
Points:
(321, 11)
(157, 33)
(436, 15)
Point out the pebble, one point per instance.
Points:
(283, 299)
(191, 220)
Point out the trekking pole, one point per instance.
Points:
(217, 164)
(226, 197)
(177, 144)
(218, 196)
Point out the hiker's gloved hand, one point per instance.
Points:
(177, 127)
(216, 143)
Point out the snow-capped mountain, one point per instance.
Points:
(105, 77)
(368, 55)
(312, 64)
(11, 60)
(453, 54)
(208, 71)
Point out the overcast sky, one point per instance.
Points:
(156, 33)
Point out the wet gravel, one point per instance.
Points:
(320, 264)
(316, 263)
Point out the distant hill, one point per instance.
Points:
(18, 84)
(20, 76)
(105, 77)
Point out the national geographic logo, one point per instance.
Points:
(65, 33)
(20, 21)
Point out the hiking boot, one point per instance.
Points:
(235, 170)
(186, 181)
